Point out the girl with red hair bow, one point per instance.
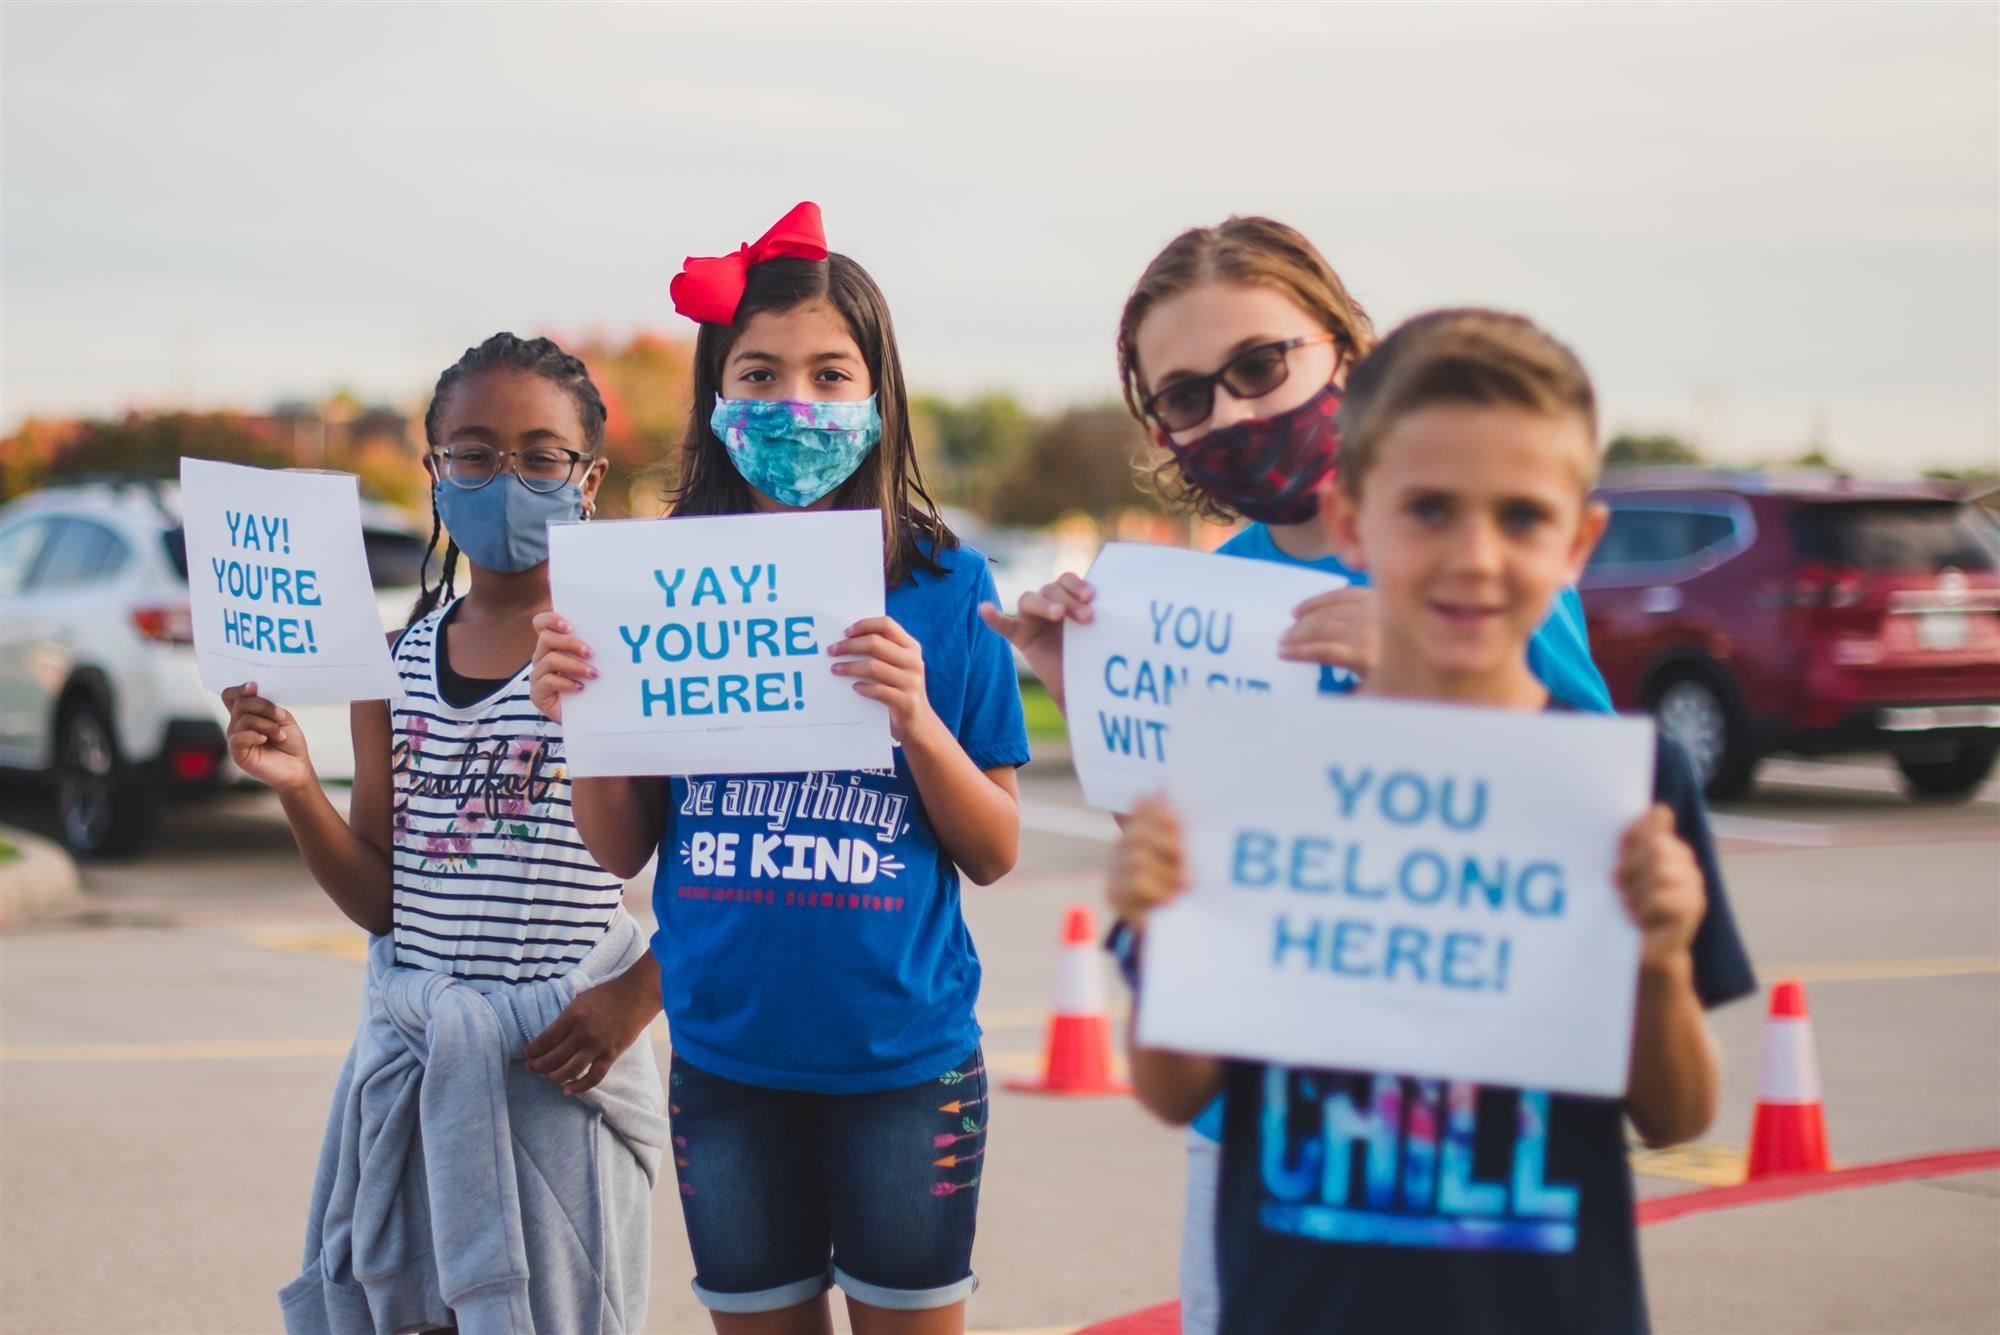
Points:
(827, 1091)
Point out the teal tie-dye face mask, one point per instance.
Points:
(795, 451)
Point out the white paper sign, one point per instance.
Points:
(710, 636)
(278, 584)
(1418, 889)
(1171, 630)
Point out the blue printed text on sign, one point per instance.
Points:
(264, 582)
(1421, 881)
(1184, 639)
(706, 638)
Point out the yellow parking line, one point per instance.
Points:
(340, 945)
(1009, 1063)
(1878, 971)
(349, 945)
(1703, 1165)
(1014, 1063)
(1034, 1017)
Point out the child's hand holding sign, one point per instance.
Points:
(1340, 628)
(1662, 886)
(265, 741)
(1036, 627)
(560, 664)
(1149, 866)
(889, 666)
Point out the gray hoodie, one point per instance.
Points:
(457, 1187)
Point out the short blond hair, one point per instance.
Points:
(1466, 356)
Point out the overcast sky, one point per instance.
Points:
(1755, 223)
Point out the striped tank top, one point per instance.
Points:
(492, 882)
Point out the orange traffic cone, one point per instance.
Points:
(1789, 1135)
(1078, 1057)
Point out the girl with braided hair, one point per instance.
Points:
(497, 1130)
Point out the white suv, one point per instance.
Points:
(98, 688)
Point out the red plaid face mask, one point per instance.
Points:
(1268, 470)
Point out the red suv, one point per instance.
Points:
(1806, 613)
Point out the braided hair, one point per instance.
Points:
(502, 352)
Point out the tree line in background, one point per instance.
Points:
(987, 454)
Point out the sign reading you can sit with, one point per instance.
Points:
(1170, 631)
(1412, 888)
(278, 584)
(710, 638)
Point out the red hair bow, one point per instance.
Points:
(709, 290)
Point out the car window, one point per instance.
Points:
(395, 560)
(81, 552)
(20, 546)
(1659, 535)
(1897, 536)
(177, 550)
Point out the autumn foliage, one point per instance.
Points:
(987, 454)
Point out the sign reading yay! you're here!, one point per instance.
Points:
(709, 635)
(278, 584)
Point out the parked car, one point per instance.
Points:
(1805, 613)
(98, 690)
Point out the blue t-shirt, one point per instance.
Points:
(810, 935)
(1559, 655)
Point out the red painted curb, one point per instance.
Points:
(1660, 1209)
(1162, 1320)
(1166, 1318)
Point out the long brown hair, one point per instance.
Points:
(1253, 252)
(888, 478)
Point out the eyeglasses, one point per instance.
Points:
(539, 468)
(1250, 374)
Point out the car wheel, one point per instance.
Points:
(1694, 712)
(1953, 774)
(103, 808)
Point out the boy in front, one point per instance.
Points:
(1467, 457)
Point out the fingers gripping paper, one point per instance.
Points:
(710, 638)
(278, 584)
(1171, 631)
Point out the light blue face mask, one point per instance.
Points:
(504, 527)
(796, 451)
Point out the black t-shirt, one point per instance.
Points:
(460, 691)
(1359, 1202)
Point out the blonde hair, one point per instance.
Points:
(1253, 252)
(1467, 356)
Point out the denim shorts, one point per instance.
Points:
(786, 1193)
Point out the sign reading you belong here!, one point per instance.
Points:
(278, 584)
(710, 634)
(1172, 629)
(1409, 888)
